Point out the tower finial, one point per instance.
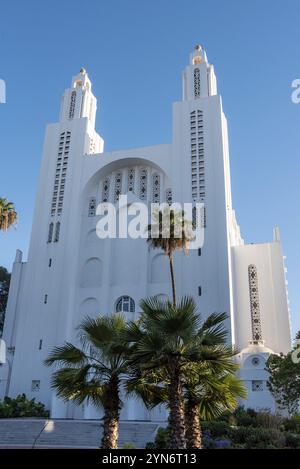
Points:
(198, 47)
(83, 71)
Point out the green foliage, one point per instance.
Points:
(292, 440)
(262, 430)
(292, 424)
(21, 407)
(4, 288)
(8, 215)
(128, 446)
(267, 420)
(216, 429)
(162, 439)
(284, 381)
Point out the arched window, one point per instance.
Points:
(254, 303)
(125, 304)
(57, 230)
(50, 233)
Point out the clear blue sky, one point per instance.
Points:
(134, 51)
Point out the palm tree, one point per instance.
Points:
(207, 396)
(8, 215)
(169, 231)
(94, 372)
(166, 345)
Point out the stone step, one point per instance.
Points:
(71, 433)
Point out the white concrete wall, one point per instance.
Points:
(272, 295)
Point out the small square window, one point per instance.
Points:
(257, 385)
(35, 385)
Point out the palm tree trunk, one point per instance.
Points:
(111, 417)
(193, 432)
(172, 279)
(176, 418)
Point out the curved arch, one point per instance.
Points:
(162, 297)
(159, 272)
(91, 236)
(91, 275)
(90, 307)
(90, 185)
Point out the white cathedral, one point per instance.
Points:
(71, 273)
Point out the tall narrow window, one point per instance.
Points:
(194, 218)
(92, 207)
(40, 344)
(203, 217)
(156, 188)
(105, 189)
(143, 184)
(199, 291)
(45, 299)
(50, 232)
(50, 262)
(169, 196)
(197, 83)
(57, 230)
(118, 186)
(130, 180)
(254, 303)
(72, 105)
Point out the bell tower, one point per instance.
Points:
(199, 80)
(78, 100)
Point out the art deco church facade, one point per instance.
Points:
(71, 273)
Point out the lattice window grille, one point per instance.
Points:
(156, 188)
(118, 186)
(203, 217)
(105, 189)
(130, 180)
(92, 207)
(257, 385)
(169, 196)
(50, 232)
(197, 83)
(125, 304)
(254, 303)
(143, 184)
(72, 105)
(57, 231)
(60, 173)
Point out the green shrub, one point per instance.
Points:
(216, 428)
(267, 420)
(292, 440)
(162, 439)
(21, 407)
(128, 446)
(258, 438)
(245, 418)
(292, 424)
